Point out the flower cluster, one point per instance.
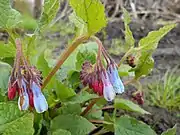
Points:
(26, 81)
(138, 97)
(103, 80)
(131, 61)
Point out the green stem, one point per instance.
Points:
(100, 122)
(125, 56)
(138, 85)
(64, 56)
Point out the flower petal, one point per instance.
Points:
(23, 101)
(31, 99)
(40, 102)
(108, 90)
(12, 92)
(115, 79)
(97, 87)
(109, 93)
(105, 78)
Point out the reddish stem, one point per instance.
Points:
(63, 57)
(128, 82)
(88, 108)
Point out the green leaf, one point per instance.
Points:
(3, 96)
(171, 131)
(77, 125)
(70, 109)
(129, 106)
(74, 79)
(43, 66)
(7, 50)
(49, 12)
(95, 113)
(86, 55)
(38, 119)
(145, 64)
(150, 42)
(123, 70)
(8, 112)
(109, 119)
(61, 132)
(81, 98)
(91, 12)
(5, 71)
(61, 90)
(80, 25)
(147, 45)
(129, 39)
(9, 18)
(70, 63)
(22, 125)
(130, 126)
(127, 18)
(29, 23)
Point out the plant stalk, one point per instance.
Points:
(88, 108)
(64, 56)
(125, 56)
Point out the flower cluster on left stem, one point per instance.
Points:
(26, 80)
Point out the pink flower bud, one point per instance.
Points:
(97, 86)
(12, 91)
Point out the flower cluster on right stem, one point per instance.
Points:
(103, 76)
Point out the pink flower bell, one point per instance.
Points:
(108, 90)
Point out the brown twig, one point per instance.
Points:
(88, 108)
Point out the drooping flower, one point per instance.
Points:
(89, 76)
(108, 90)
(26, 80)
(39, 101)
(103, 82)
(115, 79)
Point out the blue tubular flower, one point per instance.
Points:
(115, 79)
(40, 102)
(23, 101)
(108, 90)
